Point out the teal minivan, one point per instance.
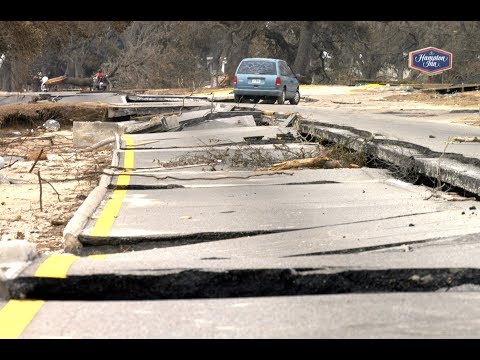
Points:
(265, 79)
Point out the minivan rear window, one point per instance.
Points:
(257, 67)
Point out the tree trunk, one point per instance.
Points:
(238, 43)
(11, 81)
(302, 60)
(237, 54)
(5, 77)
(77, 72)
(83, 82)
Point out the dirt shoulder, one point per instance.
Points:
(37, 213)
(371, 96)
(33, 114)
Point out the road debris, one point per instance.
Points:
(465, 139)
(321, 162)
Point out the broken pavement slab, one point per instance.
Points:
(248, 207)
(88, 133)
(219, 95)
(17, 250)
(234, 121)
(196, 138)
(141, 98)
(119, 111)
(410, 159)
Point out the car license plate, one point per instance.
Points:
(256, 81)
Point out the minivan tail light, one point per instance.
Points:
(278, 81)
(235, 80)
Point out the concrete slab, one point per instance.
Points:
(88, 133)
(218, 209)
(161, 98)
(452, 168)
(343, 316)
(235, 121)
(194, 138)
(138, 109)
(15, 256)
(17, 250)
(393, 244)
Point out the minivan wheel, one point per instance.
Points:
(296, 98)
(237, 98)
(281, 98)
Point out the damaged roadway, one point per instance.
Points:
(186, 248)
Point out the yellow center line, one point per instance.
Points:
(105, 221)
(56, 266)
(17, 314)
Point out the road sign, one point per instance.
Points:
(430, 60)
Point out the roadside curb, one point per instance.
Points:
(80, 218)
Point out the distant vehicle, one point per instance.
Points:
(265, 79)
(100, 83)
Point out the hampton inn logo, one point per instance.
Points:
(430, 60)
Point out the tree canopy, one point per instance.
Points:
(161, 54)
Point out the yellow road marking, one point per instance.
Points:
(56, 266)
(17, 314)
(109, 214)
(105, 221)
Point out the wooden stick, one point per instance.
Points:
(56, 192)
(11, 164)
(40, 183)
(98, 145)
(36, 160)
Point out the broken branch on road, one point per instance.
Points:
(465, 139)
(200, 178)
